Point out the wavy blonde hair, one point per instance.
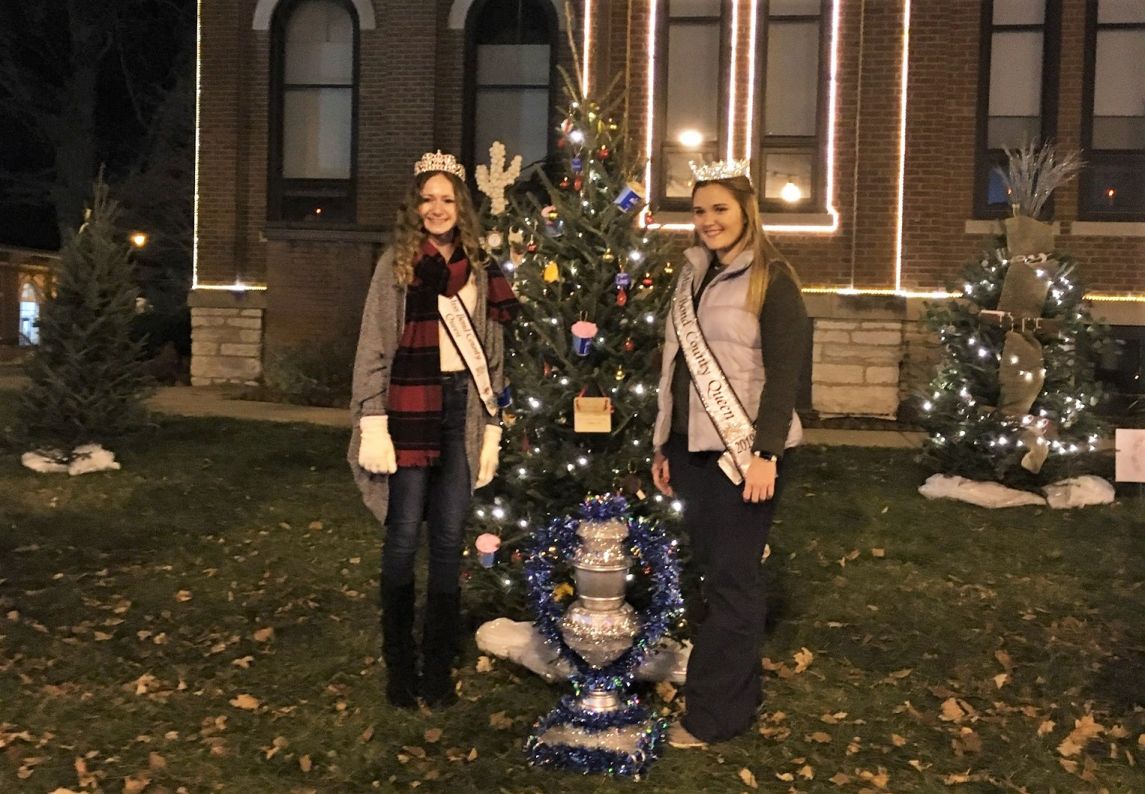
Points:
(764, 252)
(409, 234)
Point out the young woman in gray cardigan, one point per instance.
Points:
(745, 313)
(425, 426)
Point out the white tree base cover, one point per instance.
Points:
(520, 642)
(1074, 492)
(82, 460)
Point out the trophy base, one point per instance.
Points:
(622, 743)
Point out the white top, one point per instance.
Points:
(451, 360)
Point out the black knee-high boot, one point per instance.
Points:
(440, 646)
(398, 645)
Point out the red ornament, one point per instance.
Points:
(578, 182)
(602, 152)
(531, 247)
(647, 282)
(621, 297)
(629, 345)
(562, 142)
(564, 183)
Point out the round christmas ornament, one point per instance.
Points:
(608, 257)
(629, 345)
(622, 297)
(602, 728)
(494, 241)
(564, 183)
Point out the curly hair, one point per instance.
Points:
(765, 254)
(409, 233)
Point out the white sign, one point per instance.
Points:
(1130, 460)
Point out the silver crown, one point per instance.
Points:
(720, 169)
(437, 161)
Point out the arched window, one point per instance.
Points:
(510, 56)
(314, 73)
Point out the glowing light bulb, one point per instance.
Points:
(691, 139)
(791, 192)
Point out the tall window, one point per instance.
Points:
(1017, 89)
(794, 105)
(1113, 121)
(691, 93)
(509, 78)
(313, 113)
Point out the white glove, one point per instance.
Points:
(376, 451)
(490, 454)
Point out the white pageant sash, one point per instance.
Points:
(719, 400)
(455, 317)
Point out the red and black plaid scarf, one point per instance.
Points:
(415, 402)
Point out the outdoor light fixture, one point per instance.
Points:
(138, 239)
(690, 138)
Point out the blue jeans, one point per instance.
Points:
(437, 494)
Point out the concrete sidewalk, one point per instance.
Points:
(222, 401)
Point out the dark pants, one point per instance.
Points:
(727, 536)
(437, 494)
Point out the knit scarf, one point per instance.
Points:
(415, 396)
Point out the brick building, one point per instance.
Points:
(873, 128)
(25, 279)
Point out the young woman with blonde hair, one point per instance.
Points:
(427, 374)
(734, 348)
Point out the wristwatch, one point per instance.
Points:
(765, 455)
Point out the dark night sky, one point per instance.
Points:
(155, 35)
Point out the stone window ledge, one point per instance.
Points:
(1076, 228)
(306, 232)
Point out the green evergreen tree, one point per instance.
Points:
(1014, 394)
(575, 254)
(87, 383)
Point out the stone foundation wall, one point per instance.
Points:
(226, 337)
(855, 367)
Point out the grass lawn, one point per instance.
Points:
(205, 620)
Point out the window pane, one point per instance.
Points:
(519, 118)
(1015, 88)
(792, 99)
(507, 64)
(316, 132)
(1120, 11)
(678, 173)
(320, 44)
(1119, 91)
(788, 177)
(1019, 12)
(513, 22)
(996, 190)
(1004, 132)
(694, 8)
(794, 7)
(1115, 187)
(693, 81)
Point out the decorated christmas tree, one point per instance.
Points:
(1013, 398)
(87, 382)
(582, 359)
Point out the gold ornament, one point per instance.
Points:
(552, 272)
(608, 257)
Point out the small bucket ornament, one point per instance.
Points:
(582, 333)
(487, 545)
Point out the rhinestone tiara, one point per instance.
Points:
(720, 169)
(437, 161)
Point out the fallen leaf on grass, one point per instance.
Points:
(1004, 660)
(1068, 765)
(1046, 727)
(879, 553)
(244, 662)
(136, 783)
(901, 674)
(484, 664)
(433, 735)
(803, 659)
(952, 711)
(500, 722)
(898, 741)
(305, 764)
(819, 737)
(786, 777)
(840, 779)
(833, 719)
(183, 595)
(64, 791)
(1001, 680)
(245, 702)
(279, 743)
(472, 755)
(748, 778)
(958, 778)
(806, 772)
(967, 741)
(919, 765)
(156, 761)
(264, 635)
(1141, 741)
(878, 779)
(1084, 730)
(414, 751)
(367, 734)
(314, 525)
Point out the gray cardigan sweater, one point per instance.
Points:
(383, 318)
